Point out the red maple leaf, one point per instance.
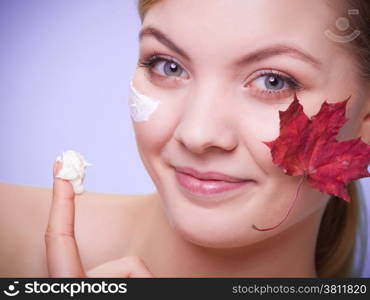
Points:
(308, 147)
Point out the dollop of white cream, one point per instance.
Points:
(73, 169)
(141, 106)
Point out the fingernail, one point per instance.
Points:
(56, 168)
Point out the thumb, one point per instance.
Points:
(62, 189)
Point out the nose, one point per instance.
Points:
(207, 122)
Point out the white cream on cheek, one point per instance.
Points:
(141, 106)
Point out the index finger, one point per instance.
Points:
(63, 258)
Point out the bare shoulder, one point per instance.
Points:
(105, 225)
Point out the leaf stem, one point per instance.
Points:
(286, 216)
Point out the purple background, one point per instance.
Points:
(65, 67)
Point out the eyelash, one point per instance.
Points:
(150, 61)
(293, 85)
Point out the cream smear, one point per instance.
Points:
(141, 106)
(73, 169)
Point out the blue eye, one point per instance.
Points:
(270, 82)
(163, 66)
(169, 68)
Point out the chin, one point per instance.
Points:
(211, 228)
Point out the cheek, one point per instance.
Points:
(309, 200)
(256, 128)
(354, 113)
(153, 134)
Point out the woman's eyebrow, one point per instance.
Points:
(255, 56)
(278, 49)
(161, 37)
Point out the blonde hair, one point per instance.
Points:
(336, 241)
(335, 246)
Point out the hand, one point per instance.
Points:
(63, 258)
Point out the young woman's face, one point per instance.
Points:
(222, 72)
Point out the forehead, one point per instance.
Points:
(209, 27)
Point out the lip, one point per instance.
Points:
(209, 183)
(208, 175)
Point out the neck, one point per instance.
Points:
(290, 253)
